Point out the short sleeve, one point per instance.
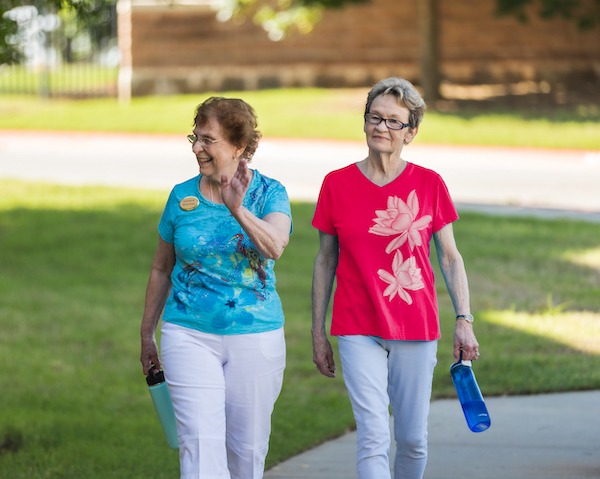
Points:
(277, 201)
(166, 225)
(445, 211)
(322, 219)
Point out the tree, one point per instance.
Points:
(9, 53)
(82, 14)
(279, 16)
(585, 14)
(430, 60)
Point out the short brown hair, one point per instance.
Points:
(237, 119)
(406, 94)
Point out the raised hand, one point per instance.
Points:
(234, 190)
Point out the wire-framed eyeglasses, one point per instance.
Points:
(203, 140)
(392, 124)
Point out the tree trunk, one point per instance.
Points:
(429, 42)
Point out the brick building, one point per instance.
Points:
(183, 48)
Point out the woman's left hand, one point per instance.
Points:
(234, 190)
(465, 341)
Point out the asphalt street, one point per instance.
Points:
(503, 180)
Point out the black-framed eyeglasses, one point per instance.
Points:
(392, 124)
(204, 141)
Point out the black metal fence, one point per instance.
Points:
(63, 55)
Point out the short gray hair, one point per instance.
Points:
(406, 95)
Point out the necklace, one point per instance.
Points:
(210, 189)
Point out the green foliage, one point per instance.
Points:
(83, 8)
(586, 15)
(91, 16)
(331, 3)
(280, 17)
(9, 51)
(75, 263)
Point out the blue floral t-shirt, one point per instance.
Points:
(221, 284)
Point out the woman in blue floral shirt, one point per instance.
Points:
(222, 342)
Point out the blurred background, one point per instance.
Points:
(545, 51)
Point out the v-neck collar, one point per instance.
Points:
(402, 173)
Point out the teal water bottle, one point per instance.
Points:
(470, 397)
(163, 405)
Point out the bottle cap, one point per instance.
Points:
(461, 362)
(461, 365)
(155, 378)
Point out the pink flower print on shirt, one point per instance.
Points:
(400, 219)
(406, 276)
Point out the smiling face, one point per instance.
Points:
(215, 158)
(379, 137)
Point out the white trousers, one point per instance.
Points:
(378, 372)
(223, 389)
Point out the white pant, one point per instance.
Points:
(377, 371)
(223, 389)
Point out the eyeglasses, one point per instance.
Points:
(204, 141)
(389, 122)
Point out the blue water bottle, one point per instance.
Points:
(470, 397)
(163, 405)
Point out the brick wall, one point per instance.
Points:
(185, 49)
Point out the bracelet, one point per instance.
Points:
(467, 317)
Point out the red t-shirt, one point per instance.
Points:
(385, 283)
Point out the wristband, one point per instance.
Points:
(467, 317)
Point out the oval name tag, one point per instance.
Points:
(189, 203)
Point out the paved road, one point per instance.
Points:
(532, 437)
(508, 179)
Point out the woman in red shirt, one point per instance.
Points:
(375, 219)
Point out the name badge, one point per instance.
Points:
(189, 203)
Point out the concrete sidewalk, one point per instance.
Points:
(531, 437)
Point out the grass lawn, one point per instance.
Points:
(310, 113)
(75, 263)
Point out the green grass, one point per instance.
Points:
(308, 113)
(75, 263)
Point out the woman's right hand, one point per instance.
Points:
(322, 285)
(323, 355)
(149, 355)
